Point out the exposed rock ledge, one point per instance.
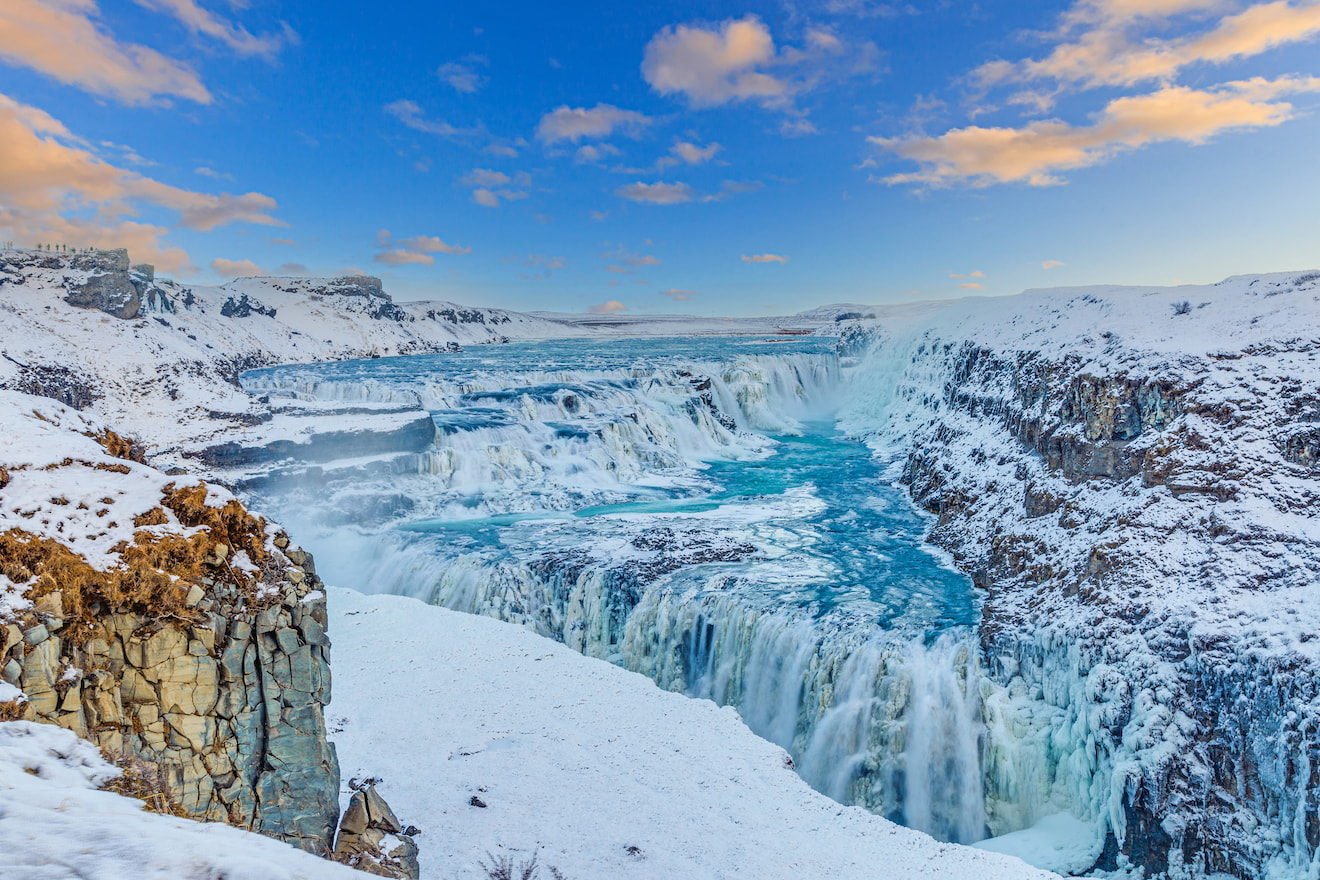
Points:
(159, 619)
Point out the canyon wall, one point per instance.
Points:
(1135, 496)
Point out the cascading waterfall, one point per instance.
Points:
(692, 520)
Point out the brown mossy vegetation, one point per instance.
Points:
(14, 710)
(144, 781)
(157, 570)
(121, 447)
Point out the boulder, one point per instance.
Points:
(112, 292)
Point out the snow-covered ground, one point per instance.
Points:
(585, 766)
(56, 825)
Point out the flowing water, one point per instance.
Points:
(686, 509)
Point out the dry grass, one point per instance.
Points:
(15, 710)
(144, 781)
(120, 446)
(157, 570)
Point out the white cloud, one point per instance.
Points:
(692, 154)
(491, 188)
(463, 75)
(737, 60)
(612, 307)
(575, 124)
(411, 115)
(733, 188)
(202, 21)
(590, 154)
(656, 193)
(764, 258)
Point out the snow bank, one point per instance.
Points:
(55, 825)
(588, 767)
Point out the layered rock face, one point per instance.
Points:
(229, 708)
(161, 620)
(1138, 504)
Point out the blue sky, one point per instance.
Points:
(704, 157)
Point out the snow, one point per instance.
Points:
(56, 825)
(586, 766)
(63, 485)
(1059, 842)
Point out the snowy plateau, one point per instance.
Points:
(1032, 576)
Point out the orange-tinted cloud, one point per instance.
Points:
(613, 307)
(236, 268)
(764, 258)
(1109, 51)
(63, 40)
(415, 250)
(1037, 153)
(53, 188)
(714, 66)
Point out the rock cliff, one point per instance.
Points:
(1131, 485)
(192, 636)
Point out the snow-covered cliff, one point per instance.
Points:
(1131, 474)
(99, 334)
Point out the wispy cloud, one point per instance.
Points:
(1052, 264)
(591, 154)
(656, 193)
(576, 124)
(764, 258)
(492, 188)
(411, 115)
(612, 307)
(463, 75)
(733, 188)
(679, 295)
(415, 250)
(203, 22)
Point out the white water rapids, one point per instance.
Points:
(688, 510)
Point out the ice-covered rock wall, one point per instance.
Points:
(1125, 479)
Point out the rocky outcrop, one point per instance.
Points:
(243, 306)
(225, 697)
(414, 435)
(373, 840)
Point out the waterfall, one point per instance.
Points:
(802, 596)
